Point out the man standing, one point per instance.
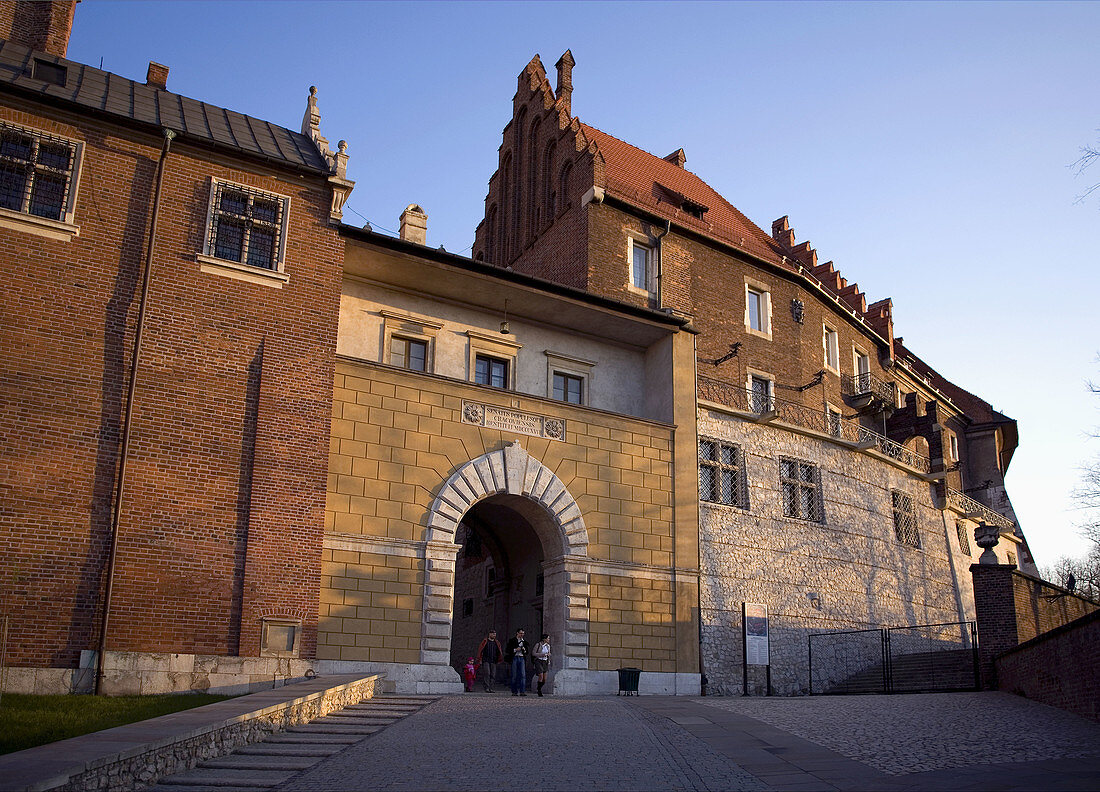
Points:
(489, 653)
(517, 655)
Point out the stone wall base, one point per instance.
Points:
(583, 682)
(407, 679)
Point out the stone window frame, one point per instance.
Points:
(561, 363)
(634, 238)
(750, 373)
(953, 446)
(739, 498)
(480, 343)
(211, 264)
(764, 290)
(411, 328)
(826, 331)
(904, 510)
(268, 622)
(834, 428)
(800, 486)
(64, 228)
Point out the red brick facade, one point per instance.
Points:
(223, 507)
(39, 24)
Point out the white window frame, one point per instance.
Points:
(65, 228)
(559, 362)
(953, 446)
(480, 343)
(751, 373)
(211, 264)
(651, 264)
(412, 328)
(764, 291)
(831, 356)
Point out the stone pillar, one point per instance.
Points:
(439, 587)
(414, 225)
(995, 609)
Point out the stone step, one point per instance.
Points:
(255, 779)
(356, 720)
(395, 708)
(202, 788)
(334, 728)
(296, 738)
(237, 761)
(266, 748)
(418, 700)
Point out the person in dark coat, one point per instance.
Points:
(489, 653)
(517, 653)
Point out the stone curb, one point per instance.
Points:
(128, 757)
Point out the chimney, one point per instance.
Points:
(38, 24)
(414, 225)
(157, 76)
(677, 158)
(564, 93)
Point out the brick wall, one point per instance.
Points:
(1060, 668)
(1013, 608)
(38, 24)
(222, 515)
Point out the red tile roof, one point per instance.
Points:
(974, 407)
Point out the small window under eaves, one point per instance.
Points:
(49, 72)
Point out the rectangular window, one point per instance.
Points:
(862, 372)
(954, 445)
(641, 257)
(568, 388)
(491, 371)
(722, 474)
(832, 421)
(37, 173)
(760, 393)
(246, 226)
(905, 519)
(964, 537)
(831, 343)
(755, 302)
(409, 353)
(800, 488)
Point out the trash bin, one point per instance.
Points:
(628, 681)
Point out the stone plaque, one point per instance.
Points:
(512, 421)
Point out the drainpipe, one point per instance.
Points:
(660, 264)
(120, 483)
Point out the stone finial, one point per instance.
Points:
(414, 224)
(564, 92)
(311, 121)
(986, 536)
(677, 158)
(337, 161)
(157, 75)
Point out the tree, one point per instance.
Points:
(1089, 155)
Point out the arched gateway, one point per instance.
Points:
(528, 488)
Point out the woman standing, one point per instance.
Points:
(540, 657)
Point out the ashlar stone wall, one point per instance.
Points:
(847, 572)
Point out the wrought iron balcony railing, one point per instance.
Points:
(813, 418)
(977, 511)
(868, 385)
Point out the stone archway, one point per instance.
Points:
(508, 471)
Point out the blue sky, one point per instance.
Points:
(923, 147)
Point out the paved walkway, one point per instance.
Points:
(964, 741)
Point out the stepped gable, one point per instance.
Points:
(974, 407)
(826, 274)
(650, 182)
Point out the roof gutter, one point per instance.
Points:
(660, 265)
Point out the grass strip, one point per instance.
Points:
(27, 721)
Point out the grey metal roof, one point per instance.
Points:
(103, 92)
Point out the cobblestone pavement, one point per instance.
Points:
(478, 742)
(904, 734)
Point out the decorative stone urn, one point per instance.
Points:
(986, 537)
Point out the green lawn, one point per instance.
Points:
(27, 721)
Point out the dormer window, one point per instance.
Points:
(49, 72)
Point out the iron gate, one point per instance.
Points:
(921, 659)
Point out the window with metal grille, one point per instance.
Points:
(905, 519)
(246, 226)
(491, 371)
(761, 393)
(568, 388)
(36, 172)
(832, 421)
(800, 487)
(409, 353)
(722, 474)
(964, 537)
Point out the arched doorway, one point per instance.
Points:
(500, 581)
(532, 534)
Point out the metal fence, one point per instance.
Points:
(923, 658)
